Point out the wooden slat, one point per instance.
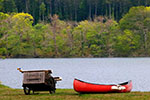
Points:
(33, 77)
(38, 71)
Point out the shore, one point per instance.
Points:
(7, 93)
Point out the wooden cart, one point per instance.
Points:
(39, 80)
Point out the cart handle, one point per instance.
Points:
(20, 70)
(57, 78)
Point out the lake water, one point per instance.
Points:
(95, 70)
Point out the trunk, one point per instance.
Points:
(43, 16)
(109, 11)
(60, 10)
(27, 6)
(54, 38)
(50, 7)
(90, 10)
(54, 30)
(75, 10)
(39, 12)
(34, 49)
(7, 51)
(123, 7)
(120, 8)
(33, 13)
(106, 10)
(64, 10)
(70, 11)
(70, 40)
(145, 2)
(116, 12)
(113, 10)
(145, 42)
(83, 41)
(58, 5)
(95, 9)
(82, 45)
(138, 2)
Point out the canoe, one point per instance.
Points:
(85, 87)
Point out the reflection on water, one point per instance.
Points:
(95, 70)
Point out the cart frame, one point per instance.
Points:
(38, 80)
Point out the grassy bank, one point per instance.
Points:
(7, 93)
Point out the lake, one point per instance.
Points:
(94, 70)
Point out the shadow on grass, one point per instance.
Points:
(38, 93)
(66, 93)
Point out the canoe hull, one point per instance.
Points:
(85, 87)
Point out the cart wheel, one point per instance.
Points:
(33, 91)
(26, 90)
(52, 85)
(52, 92)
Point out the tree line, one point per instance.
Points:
(100, 37)
(76, 10)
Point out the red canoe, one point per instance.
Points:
(85, 87)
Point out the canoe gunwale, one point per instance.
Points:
(124, 83)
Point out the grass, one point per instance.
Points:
(7, 93)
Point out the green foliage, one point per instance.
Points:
(1, 6)
(3, 51)
(77, 10)
(138, 21)
(42, 10)
(3, 16)
(102, 37)
(127, 43)
(95, 38)
(9, 6)
(24, 18)
(132, 19)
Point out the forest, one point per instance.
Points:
(74, 28)
(76, 10)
